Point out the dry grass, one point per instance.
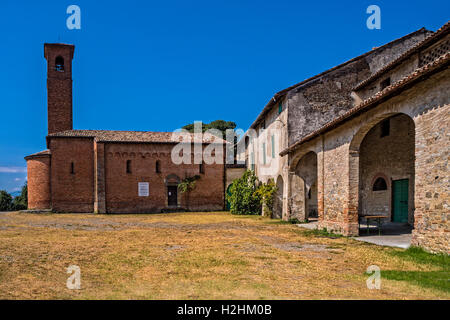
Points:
(189, 256)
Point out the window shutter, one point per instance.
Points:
(273, 146)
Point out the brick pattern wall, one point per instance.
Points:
(59, 88)
(72, 192)
(122, 187)
(38, 175)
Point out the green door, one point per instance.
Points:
(400, 200)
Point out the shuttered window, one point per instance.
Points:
(264, 152)
(273, 146)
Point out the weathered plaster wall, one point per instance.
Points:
(317, 102)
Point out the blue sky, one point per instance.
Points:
(158, 65)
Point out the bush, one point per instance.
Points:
(5, 201)
(266, 191)
(243, 197)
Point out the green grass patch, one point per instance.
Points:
(439, 279)
(418, 255)
(323, 233)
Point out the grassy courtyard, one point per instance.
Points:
(201, 256)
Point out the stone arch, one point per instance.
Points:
(278, 199)
(304, 191)
(373, 155)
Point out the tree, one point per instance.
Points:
(187, 186)
(243, 197)
(5, 201)
(220, 125)
(21, 202)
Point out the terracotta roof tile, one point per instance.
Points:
(43, 153)
(130, 136)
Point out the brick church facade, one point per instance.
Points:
(112, 171)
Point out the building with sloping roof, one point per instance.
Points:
(367, 138)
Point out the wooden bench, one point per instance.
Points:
(377, 218)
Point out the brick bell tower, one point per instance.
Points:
(59, 86)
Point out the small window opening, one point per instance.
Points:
(264, 152)
(379, 185)
(72, 168)
(280, 108)
(247, 141)
(59, 64)
(385, 128)
(385, 83)
(273, 146)
(201, 168)
(128, 166)
(158, 166)
(309, 193)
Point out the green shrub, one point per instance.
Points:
(266, 192)
(243, 197)
(5, 201)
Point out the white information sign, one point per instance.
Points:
(143, 189)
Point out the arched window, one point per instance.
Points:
(59, 64)
(379, 185)
(158, 166)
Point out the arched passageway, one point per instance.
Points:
(304, 203)
(386, 169)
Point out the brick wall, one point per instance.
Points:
(122, 187)
(72, 192)
(38, 179)
(59, 87)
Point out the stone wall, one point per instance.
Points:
(432, 194)
(428, 105)
(321, 100)
(390, 158)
